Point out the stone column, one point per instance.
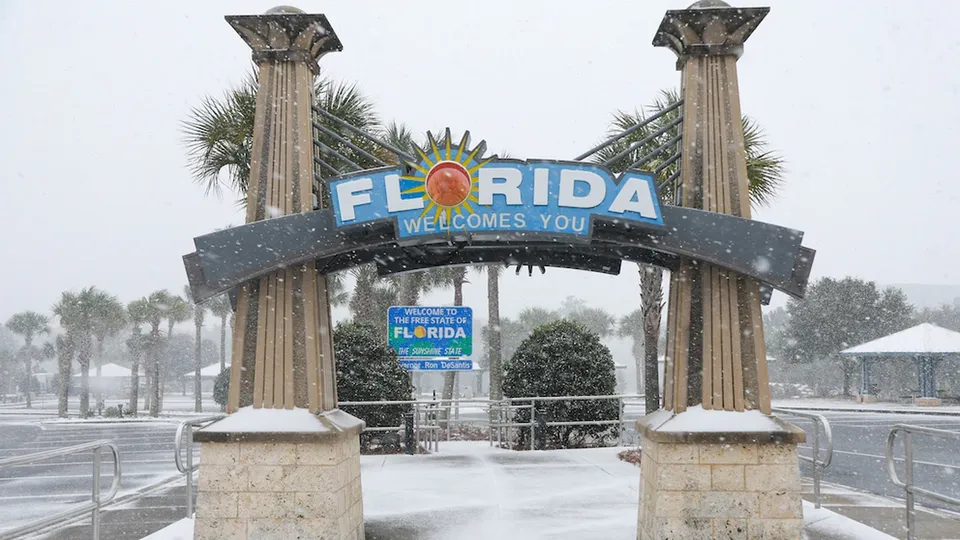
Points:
(285, 463)
(727, 469)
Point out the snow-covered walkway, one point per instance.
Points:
(470, 491)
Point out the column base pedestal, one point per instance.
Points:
(303, 483)
(723, 484)
(927, 402)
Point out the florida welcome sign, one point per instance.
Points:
(452, 188)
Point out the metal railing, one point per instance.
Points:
(430, 424)
(432, 418)
(186, 427)
(504, 424)
(96, 500)
(819, 465)
(907, 483)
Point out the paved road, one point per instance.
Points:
(859, 459)
(32, 491)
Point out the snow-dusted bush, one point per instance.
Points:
(563, 358)
(221, 387)
(368, 370)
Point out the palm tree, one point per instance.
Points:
(77, 313)
(199, 314)
(68, 311)
(456, 276)
(178, 311)
(138, 312)
(220, 307)
(28, 324)
(494, 342)
(372, 296)
(109, 318)
(765, 173)
(219, 133)
(156, 311)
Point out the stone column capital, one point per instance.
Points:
(287, 34)
(708, 28)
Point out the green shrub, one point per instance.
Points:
(563, 358)
(111, 412)
(368, 370)
(221, 388)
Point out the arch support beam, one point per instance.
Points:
(228, 258)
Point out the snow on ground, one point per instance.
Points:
(470, 491)
(179, 530)
(820, 522)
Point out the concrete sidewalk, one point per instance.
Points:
(840, 405)
(881, 513)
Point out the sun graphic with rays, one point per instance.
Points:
(446, 175)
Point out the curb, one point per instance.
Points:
(879, 411)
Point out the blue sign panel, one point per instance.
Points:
(450, 189)
(420, 331)
(438, 364)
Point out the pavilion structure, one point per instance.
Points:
(926, 344)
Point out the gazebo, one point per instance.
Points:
(927, 344)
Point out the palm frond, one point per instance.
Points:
(765, 168)
(219, 136)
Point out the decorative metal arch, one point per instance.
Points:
(225, 259)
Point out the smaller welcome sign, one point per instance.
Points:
(451, 188)
(429, 332)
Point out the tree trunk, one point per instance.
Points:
(154, 392)
(450, 377)
(83, 358)
(64, 362)
(847, 367)
(223, 342)
(197, 386)
(84, 388)
(493, 322)
(134, 384)
(99, 371)
(410, 287)
(28, 364)
(154, 370)
(637, 350)
(147, 382)
(651, 305)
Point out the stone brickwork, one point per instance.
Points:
(282, 490)
(719, 491)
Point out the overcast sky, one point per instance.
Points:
(860, 97)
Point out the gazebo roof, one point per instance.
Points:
(209, 371)
(109, 370)
(924, 338)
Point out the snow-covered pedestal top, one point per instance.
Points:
(250, 424)
(697, 424)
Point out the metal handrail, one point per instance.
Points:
(187, 427)
(907, 485)
(818, 465)
(531, 401)
(96, 500)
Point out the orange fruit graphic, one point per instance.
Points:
(448, 183)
